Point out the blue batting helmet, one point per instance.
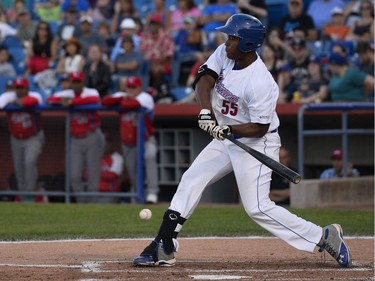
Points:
(249, 29)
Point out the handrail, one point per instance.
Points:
(344, 131)
(139, 195)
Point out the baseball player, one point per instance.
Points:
(242, 103)
(26, 134)
(87, 140)
(135, 98)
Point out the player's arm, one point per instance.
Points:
(250, 130)
(85, 100)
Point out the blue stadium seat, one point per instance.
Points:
(12, 41)
(180, 92)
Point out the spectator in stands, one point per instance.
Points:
(68, 28)
(269, 58)
(299, 59)
(352, 11)
(213, 16)
(286, 84)
(279, 189)
(12, 14)
(128, 63)
(363, 28)
(124, 9)
(298, 18)
(82, 7)
(158, 49)
(348, 83)
(275, 39)
(87, 140)
(135, 98)
(26, 134)
(26, 28)
(105, 34)
(313, 88)
(64, 83)
(320, 11)
(6, 67)
(256, 8)
(88, 36)
(73, 60)
(128, 28)
(97, 72)
(185, 8)
(49, 11)
(336, 171)
(102, 10)
(110, 171)
(6, 30)
(365, 52)
(43, 41)
(159, 9)
(336, 28)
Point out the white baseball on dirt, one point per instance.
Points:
(145, 214)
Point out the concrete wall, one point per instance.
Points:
(346, 192)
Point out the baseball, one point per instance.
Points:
(145, 214)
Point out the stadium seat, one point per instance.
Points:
(12, 41)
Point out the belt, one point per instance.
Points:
(238, 137)
(24, 137)
(83, 135)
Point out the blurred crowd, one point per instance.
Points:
(320, 50)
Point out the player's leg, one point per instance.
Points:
(209, 166)
(18, 161)
(95, 148)
(151, 170)
(254, 182)
(130, 160)
(76, 166)
(32, 149)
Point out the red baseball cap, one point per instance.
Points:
(77, 76)
(155, 18)
(336, 154)
(21, 82)
(133, 81)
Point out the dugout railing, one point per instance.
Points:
(344, 109)
(67, 193)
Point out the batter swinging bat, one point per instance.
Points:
(279, 168)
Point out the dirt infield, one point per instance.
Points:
(198, 259)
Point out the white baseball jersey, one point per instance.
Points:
(246, 95)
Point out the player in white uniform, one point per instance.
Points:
(235, 84)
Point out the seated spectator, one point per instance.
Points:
(299, 60)
(348, 83)
(12, 13)
(130, 62)
(38, 62)
(63, 83)
(269, 58)
(296, 17)
(128, 28)
(336, 28)
(287, 87)
(256, 8)
(82, 7)
(73, 61)
(352, 11)
(43, 40)
(48, 11)
(320, 11)
(216, 15)
(275, 40)
(68, 28)
(365, 54)
(185, 8)
(26, 28)
(102, 10)
(337, 167)
(279, 189)
(97, 72)
(88, 36)
(363, 28)
(124, 9)
(159, 9)
(6, 67)
(104, 33)
(6, 30)
(158, 48)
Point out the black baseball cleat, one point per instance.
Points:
(155, 255)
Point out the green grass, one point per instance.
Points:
(72, 221)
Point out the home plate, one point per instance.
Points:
(218, 277)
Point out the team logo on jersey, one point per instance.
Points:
(224, 92)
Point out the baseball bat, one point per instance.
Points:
(277, 167)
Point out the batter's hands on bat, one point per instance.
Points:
(206, 120)
(218, 132)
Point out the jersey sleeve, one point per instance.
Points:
(7, 98)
